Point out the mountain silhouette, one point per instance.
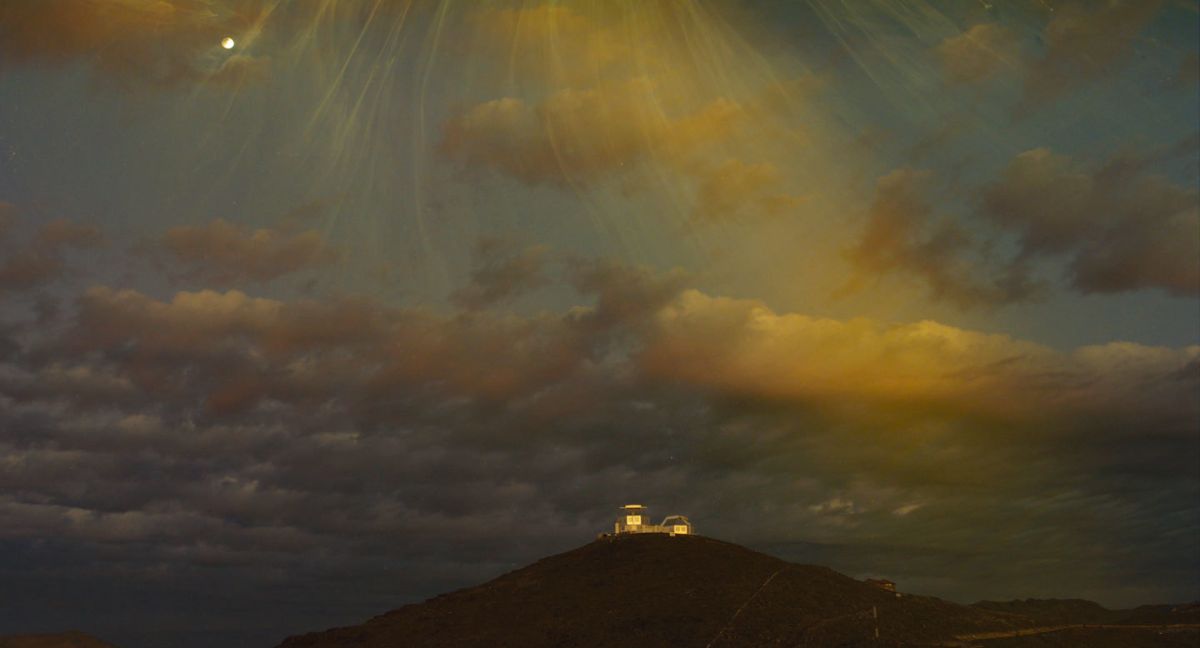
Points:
(659, 590)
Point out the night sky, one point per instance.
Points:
(381, 298)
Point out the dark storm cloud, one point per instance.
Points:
(1119, 226)
(222, 253)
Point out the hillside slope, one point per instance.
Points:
(659, 590)
(60, 640)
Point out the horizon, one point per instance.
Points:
(310, 310)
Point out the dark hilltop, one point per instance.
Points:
(659, 590)
(58, 640)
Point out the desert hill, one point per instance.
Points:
(654, 589)
(62, 640)
(658, 590)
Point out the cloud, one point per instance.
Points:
(499, 275)
(288, 441)
(1109, 228)
(195, 345)
(29, 269)
(41, 259)
(626, 296)
(582, 137)
(734, 186)
(232, 351)
(1118, 226)
(601, 94)
(152, 42)
(979, 53)
(744, 348)
(1084, 41)
(225, 253)
(579, 136)
(903, 235)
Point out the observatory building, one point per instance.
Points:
(635, 518)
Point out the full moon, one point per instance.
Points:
(227, 43)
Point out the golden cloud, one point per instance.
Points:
(743, 348)
(575, 136)
(585, 92)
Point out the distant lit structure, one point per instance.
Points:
(635, 518)
(883, 584)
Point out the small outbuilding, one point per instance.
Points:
(881, 583)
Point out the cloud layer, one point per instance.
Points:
(215, 430)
